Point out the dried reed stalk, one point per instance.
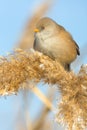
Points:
(41, 123)
(43, 98)
(24, 66)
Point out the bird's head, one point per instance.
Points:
(45, 27)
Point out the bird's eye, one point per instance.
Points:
(42, 28)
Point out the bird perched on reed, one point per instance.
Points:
(54, 41)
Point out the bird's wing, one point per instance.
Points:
(62, 29)
(77, 48)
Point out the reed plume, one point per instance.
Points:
(23, 66)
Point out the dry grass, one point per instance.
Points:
(23, 66)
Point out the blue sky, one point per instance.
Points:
(72, 14)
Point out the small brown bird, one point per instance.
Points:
(54, 41)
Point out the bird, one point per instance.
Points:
(54, 41)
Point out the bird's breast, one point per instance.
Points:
(56, 48)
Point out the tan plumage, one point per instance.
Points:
(54, 41)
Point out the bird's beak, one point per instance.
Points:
(36, 30)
